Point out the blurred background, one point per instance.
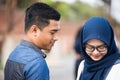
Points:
(74, 13)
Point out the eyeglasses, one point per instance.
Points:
(91, 48)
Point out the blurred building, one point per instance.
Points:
(114, 8)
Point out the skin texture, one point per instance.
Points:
(45, 38)
(96, 55)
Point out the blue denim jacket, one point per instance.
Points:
(26, 62)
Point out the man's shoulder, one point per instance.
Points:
(24, 54)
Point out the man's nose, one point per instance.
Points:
(55, 37)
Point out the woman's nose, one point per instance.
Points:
(95, 51)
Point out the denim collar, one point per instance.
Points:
(33, 46)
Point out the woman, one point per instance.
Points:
(98, 47)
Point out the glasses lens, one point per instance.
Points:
(102, 48)
(90, 48)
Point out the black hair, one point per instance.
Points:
(39, 14)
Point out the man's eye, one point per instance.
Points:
(52, 33)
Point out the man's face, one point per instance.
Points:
(47, 37)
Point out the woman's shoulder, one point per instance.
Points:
(117, 61)
(82, 64)
(114, 73)
(80, 69)
(116, 67)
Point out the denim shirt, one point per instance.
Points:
(26, 62)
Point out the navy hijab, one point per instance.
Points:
(98, 28)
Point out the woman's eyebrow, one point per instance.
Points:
(95, 46)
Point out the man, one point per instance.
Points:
(27, 62)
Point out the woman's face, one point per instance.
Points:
(96, 49)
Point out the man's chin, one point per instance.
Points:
(47, 50)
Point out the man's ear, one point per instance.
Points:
(34, 29)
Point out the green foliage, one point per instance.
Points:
(62, 7)
(74, 11)
(23, 3)
(83, 11)
(47, 1)
(65, 10)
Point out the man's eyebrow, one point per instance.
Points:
(54, 30)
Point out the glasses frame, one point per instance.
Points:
(98, 48)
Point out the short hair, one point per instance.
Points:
(39, 14)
